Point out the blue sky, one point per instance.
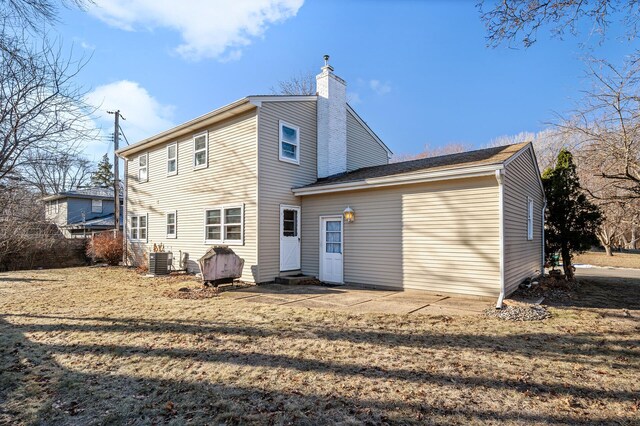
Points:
(418, 72)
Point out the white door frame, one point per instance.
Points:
(322, 248)
(284, 207)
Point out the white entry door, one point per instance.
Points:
(331, 249)
(289, 238)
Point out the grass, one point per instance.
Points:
(104, 346)
(619, 260)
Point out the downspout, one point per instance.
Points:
(500, 179)
(544, 208)
(124, 220)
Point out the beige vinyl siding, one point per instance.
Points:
(276, 178)
(362, 149)
(440, 236)
(229, 179)
(523, 257)
(62, 217)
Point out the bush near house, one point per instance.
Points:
(106, 246)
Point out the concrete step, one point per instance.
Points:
(296, 280)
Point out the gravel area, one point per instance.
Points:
(519, 313)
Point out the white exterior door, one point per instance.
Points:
(289, 238)
(331, 249)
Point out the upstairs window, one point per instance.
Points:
(96, 206)
(171, 224)
(200, 151)
(139, 228)
(224, 225)
(143, 168)
(529, 218)
(172, 159)
(289, 143)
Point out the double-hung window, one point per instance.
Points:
(139, 228)
(96, 206)
(200, 151)
(529, 218)
(289, 143)
(143, 168)
(172, 159)
(224, 225)
(172, 224)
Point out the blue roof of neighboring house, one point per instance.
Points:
(95, 193)
(106, 221)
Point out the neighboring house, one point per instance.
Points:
(278, 179)
(80, 212)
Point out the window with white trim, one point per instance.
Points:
(143, 168)
(139, 227)
(200, 150)
(289, 143)
(172, 159)
(529, 218)
(224, 225)
(172, 224)
(96, 206)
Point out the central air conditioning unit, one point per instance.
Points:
(159, 263)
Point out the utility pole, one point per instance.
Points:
(116, 168)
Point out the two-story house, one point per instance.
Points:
(301, 184)
(80, 212)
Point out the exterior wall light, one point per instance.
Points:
(349, 214)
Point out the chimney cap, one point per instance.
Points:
(326, 63)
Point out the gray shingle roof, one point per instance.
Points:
(488, 156)
(95, 192)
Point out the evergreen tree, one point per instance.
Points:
(571, 221)
(104, 174)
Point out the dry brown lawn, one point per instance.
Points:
(619, 260)
(105, 346)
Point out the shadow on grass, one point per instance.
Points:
(605, 293)
(25, 280)
(29, 372)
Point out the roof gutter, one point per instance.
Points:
(401, 179)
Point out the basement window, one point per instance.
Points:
(529, 218)
(289, 143)
(224, 225)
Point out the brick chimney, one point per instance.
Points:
(332, 122)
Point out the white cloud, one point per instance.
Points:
(145, 115)
(379, 87)
(208, 29)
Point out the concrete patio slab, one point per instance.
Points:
(359, 300)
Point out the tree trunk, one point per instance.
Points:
(566, 263)
(634, 237)
(607, 250)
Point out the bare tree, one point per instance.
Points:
(608, 124)
(519, 20)
(40, 106)
(304, 83)
(450, 148)
(57, 172)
